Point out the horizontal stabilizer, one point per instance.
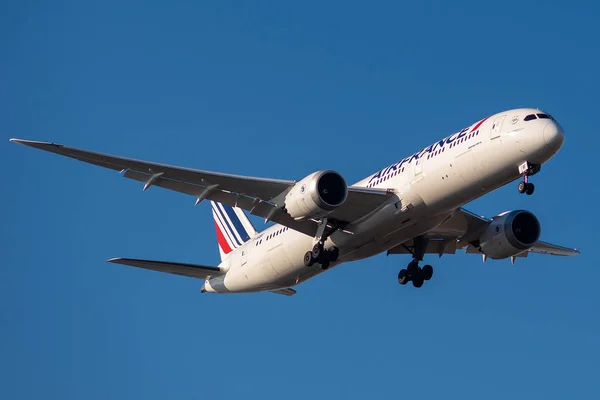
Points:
(286, 291)
(191, 270)
(552, 249)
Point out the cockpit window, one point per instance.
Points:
(544, 116)
(529, 117)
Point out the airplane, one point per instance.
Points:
(413, 207)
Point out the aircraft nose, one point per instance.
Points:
(554, 135)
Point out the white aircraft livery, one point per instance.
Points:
(413, 207)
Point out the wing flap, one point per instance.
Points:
(190, 270)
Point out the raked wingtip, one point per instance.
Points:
(36, 144)
(25, 142)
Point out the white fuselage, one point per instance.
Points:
(429, 185)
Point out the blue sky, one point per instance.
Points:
(280, 90)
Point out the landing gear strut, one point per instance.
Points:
(413, 272)
(319, 254)
(527, 170)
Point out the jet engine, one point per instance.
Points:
(316, 195)
(509, 234)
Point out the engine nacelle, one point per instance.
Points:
(509, 234)
(316, 195)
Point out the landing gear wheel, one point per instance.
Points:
(522, 188)
(417, 279)
(529, 188)
(413, 267)
(309, 259)
(333, 253)
(325, 265)
(427, 272)
(317, 251)
(403, 277)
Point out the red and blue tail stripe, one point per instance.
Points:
(232, 231)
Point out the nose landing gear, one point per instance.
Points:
(527, 170)
(526, 187)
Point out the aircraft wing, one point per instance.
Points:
(191, 270)
(463, 227)
(259, 196)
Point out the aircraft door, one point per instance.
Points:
(245, 251)
(418, 168)
(497, 127)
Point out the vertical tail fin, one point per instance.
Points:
(233, 227)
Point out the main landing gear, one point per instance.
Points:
(527, 170)
(319, 254)
(413, 272)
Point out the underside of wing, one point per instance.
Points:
(360, 203)
(462, 231)
(190, 270)
(457, 232)
(259, 196)
(436, 245)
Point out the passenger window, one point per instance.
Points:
(529, 117)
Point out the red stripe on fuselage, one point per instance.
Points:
(478, 124)
(221, 239)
